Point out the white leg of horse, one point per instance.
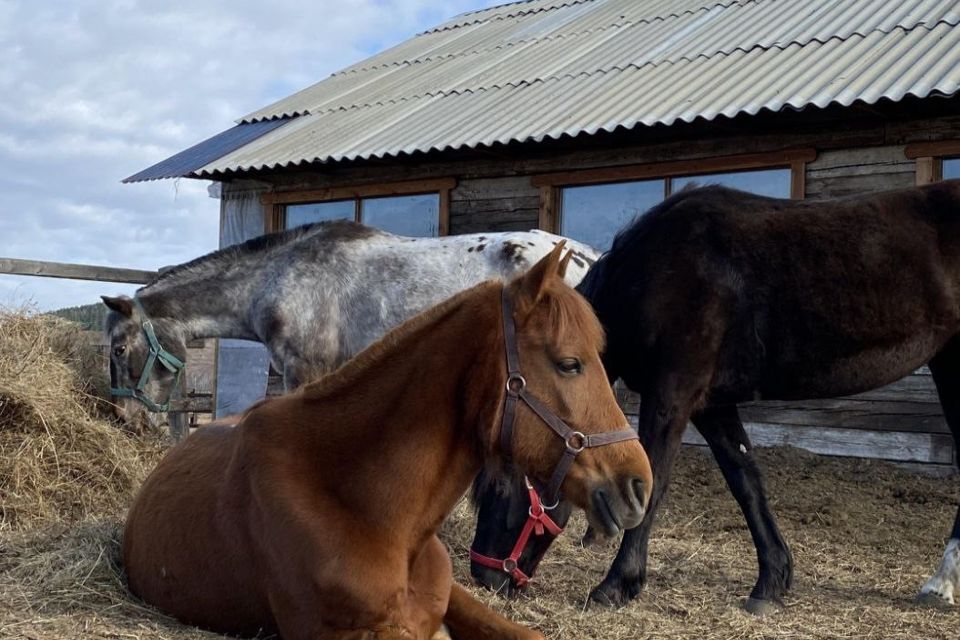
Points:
(940, 588)
(945, 368)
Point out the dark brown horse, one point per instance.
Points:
(717, 297)
(316, 516)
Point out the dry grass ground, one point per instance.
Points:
(865, 535)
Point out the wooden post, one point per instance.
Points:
(549, 196)
(929, 170)
(179, 426)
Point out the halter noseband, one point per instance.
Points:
(157, 353)
(575, 441)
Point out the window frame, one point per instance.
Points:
(275, 202)
(929, 157)
(551, 184)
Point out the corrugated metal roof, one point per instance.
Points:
(190, 160)
(541, 69)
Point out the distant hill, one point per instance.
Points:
(90, 316)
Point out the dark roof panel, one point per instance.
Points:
(203, 153)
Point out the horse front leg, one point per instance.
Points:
(663, 417)
(941, 588)
(722, 429)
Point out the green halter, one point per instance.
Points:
(172, 363)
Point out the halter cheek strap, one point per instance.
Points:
(156, 354)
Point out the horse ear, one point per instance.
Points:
(535, 280)
(562, 267)
(120, 304)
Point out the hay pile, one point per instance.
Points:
(865, 535)
(60, 460)
(66, 476)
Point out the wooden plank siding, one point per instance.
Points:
(494, 204)
(845, 172)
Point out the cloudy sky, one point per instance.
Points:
(95, 90)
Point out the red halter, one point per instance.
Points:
(538, 522)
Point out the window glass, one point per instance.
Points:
(595, 213)
(298, 214)
(951, 168)
(404, 215)
(769, 182)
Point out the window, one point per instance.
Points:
(404, 215)
(774, 183)
(417, 215)
(416, 208)
(951, 168)
(298, 214)
(936, 161)
(594, 213)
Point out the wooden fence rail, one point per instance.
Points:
(14, 266)
(179, 407)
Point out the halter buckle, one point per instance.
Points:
(576, 442)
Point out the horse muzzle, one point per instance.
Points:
(617, 506)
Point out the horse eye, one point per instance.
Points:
(570, 366)
(119, 351)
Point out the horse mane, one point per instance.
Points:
(332, 228)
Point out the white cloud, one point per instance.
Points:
(95, 90)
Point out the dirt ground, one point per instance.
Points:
(865, 535)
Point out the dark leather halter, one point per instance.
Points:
(575, 441)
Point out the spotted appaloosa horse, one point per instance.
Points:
(315, 295)
(716, 297)
(316, 516)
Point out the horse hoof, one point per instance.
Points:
(762, 608)
(616, 595)
(934, 600)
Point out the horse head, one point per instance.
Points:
(147, 357)
(562, 426)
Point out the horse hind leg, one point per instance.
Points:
(723, 430)
(941, 587)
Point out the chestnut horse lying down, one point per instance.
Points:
(316, 516)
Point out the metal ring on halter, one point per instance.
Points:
(576, 436)
(516, 377)
(509, 565)
(552, 506)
